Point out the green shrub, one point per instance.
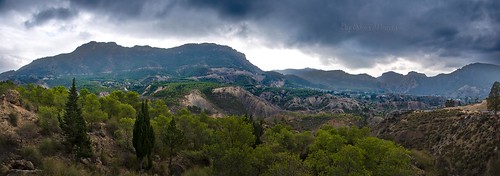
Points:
(425, 161)
(32, 154)
(49, 119)
(129, 161)
(13, 119)
(49, 147)
(7, 143)
(56, 167)
(28, 131)
(198, 171)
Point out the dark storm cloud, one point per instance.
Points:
(119, 9)
(50, 14)
(239, 9)
(360, 33)
(354, 33)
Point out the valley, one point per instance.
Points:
(237, 119)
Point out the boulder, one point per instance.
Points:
(22, 165)
(13, 96)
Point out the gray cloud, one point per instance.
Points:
(355, 33)
(360, 33)
(50, 14)
(116, 9)
(9, 62)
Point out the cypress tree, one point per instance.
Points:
(143, 136)
(493, 100)
(74, 126)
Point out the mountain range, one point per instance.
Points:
(473, 80)
(212, 62)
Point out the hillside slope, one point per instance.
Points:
(463, 142)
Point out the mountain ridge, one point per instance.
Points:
(113, 57)
(472, 80)
(220, 63)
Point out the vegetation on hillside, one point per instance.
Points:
(233, 145)
(172, 92)
(493, 100)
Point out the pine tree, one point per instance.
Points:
(449, 103)
(493, 100)
(143, 136)
(172, 137)
(74, 126)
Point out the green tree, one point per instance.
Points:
(172, 137)
(283, 139)
(196, 132)
(449, 103)
(48, 119)
(493, 100)
(74, 126)
(126, 111)
(132, 98)
(159, 108)
(231, 150)
(160, 124)
(287, 164)
(350, 151)
(84, 92)
(385, 157)
(143, 136)
(258, 130)
(91, 109)
(110, 105)
(124, 133)
(348, 161)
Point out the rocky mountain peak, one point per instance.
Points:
(93, 45)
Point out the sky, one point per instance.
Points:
(357, 36)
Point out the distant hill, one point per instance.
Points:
(335, 79)
(96, 58)
(472, 80)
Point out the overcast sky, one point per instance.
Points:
(358, 36)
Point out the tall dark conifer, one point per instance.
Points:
(144, 137)
(74, 126)
(493, 100)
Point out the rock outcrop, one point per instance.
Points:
(236, 100)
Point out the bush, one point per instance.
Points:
(13, 119)
(49, 147)
(198, 171)
(49, 119)
(32, 154)
(129, 161)
(57, 167)
(7, 143)
(28, 131)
